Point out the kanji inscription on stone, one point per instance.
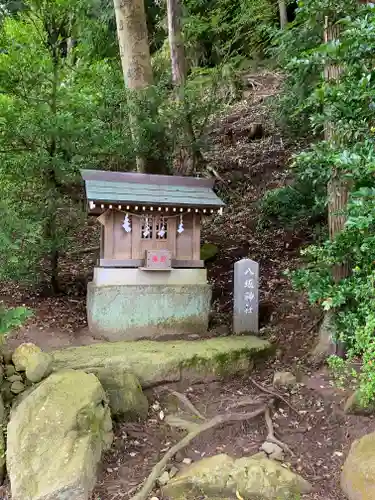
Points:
(246, 296)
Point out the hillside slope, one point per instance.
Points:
(245, 169)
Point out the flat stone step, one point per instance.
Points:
(155, 362)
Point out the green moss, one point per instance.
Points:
(155, 362)
(208, 251)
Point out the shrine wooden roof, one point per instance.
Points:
(151, 190)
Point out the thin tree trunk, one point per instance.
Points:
(51, 207)
(337, 194)
(283, 14)
(337, 189)
(176, 43)
(135, 54)
(186, 158)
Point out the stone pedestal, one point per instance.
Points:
(130, 304)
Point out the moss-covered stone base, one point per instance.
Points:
(155, 362)
(131, 312)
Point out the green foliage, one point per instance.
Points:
(12, 318)
(299, 50)
(305, 198)
(225, 28)
(349, 157)
(63, 108)
(218, 31)
(58, 113)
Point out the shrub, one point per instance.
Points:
(350, 157)
(12, 318)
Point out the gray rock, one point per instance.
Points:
(173, 472)
(17, 387)
(358, 473)
(126, 397)
(15, 378)
(39, 366)
(22, 353)
(284, 380)
(9, 370)
(222, 477)
(163, 479)
(31, 359)
(273, 450)
(66, 420)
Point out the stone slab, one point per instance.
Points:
(246, 297)
(107, 276)
(131, 312)
(157, 362)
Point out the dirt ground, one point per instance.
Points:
(321, 434)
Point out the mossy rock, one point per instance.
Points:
(208, 251)
(65, 420)
(358, 474)
(126, 398)
(31, 359)
(155, 362)
(222, 477)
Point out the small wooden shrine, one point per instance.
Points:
(149, 222)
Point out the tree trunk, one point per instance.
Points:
(283, 14)
(337, 189)
(337, 194)
(133, 43)
(186, 158)
(135, 56)
(176, 43)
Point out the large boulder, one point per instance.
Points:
(56, 436)
(358, 474)
(33, 361)
(222, 477)
(126, 398)
(155, 362)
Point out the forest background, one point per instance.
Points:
(64, 106)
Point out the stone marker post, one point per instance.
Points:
(246, 296)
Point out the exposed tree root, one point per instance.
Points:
(187, 403)
(209, 424)
(248, 401)
(274, 394)
(271, 433)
